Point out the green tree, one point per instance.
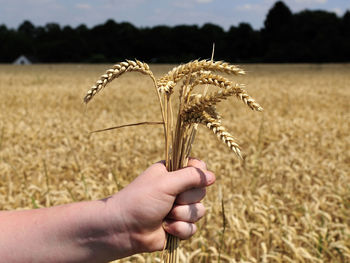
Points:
(243, 44)
(277, 34)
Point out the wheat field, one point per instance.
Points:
(288, 200)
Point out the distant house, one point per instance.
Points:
(22, 60)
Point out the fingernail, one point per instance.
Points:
(209, 177)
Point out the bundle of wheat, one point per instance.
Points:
(193, 109)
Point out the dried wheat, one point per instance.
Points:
(200, 103)
(217, 128)
(115, 72)
(224, 83)
(193, 109)
(168, 82)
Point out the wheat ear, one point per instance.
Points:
(219, 130)
(224, 83)
(168, 82)
(199, 104)
(211, 110)
(115, 72)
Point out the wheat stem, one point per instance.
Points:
(130, 125)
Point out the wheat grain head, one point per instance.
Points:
(115, 72)
(224, 83)
(168, 82)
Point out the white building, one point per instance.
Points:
(22, 60)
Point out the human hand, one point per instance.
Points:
(157, 202)
(132, 221)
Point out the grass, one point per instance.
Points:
(297, 208)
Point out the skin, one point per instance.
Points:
(131, 221)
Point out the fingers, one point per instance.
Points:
(180, 229)
(191, 196)
(187, 213)
(188, 178)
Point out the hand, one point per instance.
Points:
(159, 201)
(133, 220)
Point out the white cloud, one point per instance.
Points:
(204, 1)
(83, 6)
(246, 7)
(338, 11)
(252, 7)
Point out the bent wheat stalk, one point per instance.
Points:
(194, 109)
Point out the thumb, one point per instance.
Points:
(187, 178)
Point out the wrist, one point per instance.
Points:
(125, 223)
(100, 229)
(121, 233)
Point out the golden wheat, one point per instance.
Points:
(198, 104)
(219, 130)
(179, 139)
(224, 83)
(115, 72)
(291, 186)
(169, 81)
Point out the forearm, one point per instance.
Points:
(78, 232)
(129, 222)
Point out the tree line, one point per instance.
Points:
(306, 36)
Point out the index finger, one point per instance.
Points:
(187, 178)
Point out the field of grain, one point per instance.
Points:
(287, 201)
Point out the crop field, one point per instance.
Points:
(288, 200)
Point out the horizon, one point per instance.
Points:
(135, 12)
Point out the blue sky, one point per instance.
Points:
(144, 13)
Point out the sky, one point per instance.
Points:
(146, 13)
